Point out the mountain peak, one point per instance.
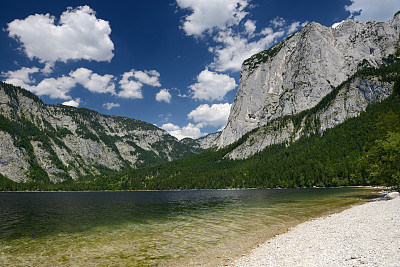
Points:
(295, 74)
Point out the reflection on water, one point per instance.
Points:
(153, 228)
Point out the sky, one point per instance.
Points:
(172, 63)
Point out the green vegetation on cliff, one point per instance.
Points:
(362, 151)
(342, 156)
(42, 144)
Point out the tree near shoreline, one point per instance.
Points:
(383, 160)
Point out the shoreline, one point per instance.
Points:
(180, 190)
(363, 235)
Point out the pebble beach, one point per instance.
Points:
(364, 235)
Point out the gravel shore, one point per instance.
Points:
(364, 235)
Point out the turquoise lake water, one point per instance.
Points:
(155, 228)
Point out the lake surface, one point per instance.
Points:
(206, 227)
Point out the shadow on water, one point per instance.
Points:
(32, 214)
(154, 227)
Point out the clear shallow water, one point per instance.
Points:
(205, 227)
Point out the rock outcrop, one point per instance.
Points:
(297, 73)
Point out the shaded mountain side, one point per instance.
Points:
(40, 142)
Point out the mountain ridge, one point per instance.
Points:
(56, 142)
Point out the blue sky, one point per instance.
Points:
(172, 63)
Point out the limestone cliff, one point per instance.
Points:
(346, 101)
(297, 73)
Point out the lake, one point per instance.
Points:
(154, 228)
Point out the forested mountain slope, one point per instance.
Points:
(363, 150)
(54, 143)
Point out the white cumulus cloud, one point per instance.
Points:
(250, 27)
(132, 82)
(73, 103)
(54, 88)
(204, 115)
(130, 88)
(190, 130)
(163, 95)
(21, 77)
(212, 86)
(110, 105)
(382, 10)
(233, 47)
(60, 87)
(94, 82)
(214, 115)
(209, 14)
(77, 35)
(149, 77)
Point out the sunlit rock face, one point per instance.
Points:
(295, 74)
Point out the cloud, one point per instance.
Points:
(209, 14)
(61, 86)
(72, 103)
(215, 115)
(212, 86)
(109, 106)
(190, 130)
(147, 77)
(250, 27)
(21, 77)
(235, 39)
(278, 22)
(295, 26)
(94, 82)
(132, 82)
(54, 88)
(130, 88)
(163, 95)
(77, 35)
(382, 10)
(204, 115)
(235, 48)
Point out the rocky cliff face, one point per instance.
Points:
(346, 101)
(56, 143)
(297, 73)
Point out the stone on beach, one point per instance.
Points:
(392, 195)
(364, 235)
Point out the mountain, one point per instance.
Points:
(40, 142)
(363, 150)
(298, 72)
(335, 91)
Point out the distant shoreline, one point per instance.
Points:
(181, 190)
(366, 234)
